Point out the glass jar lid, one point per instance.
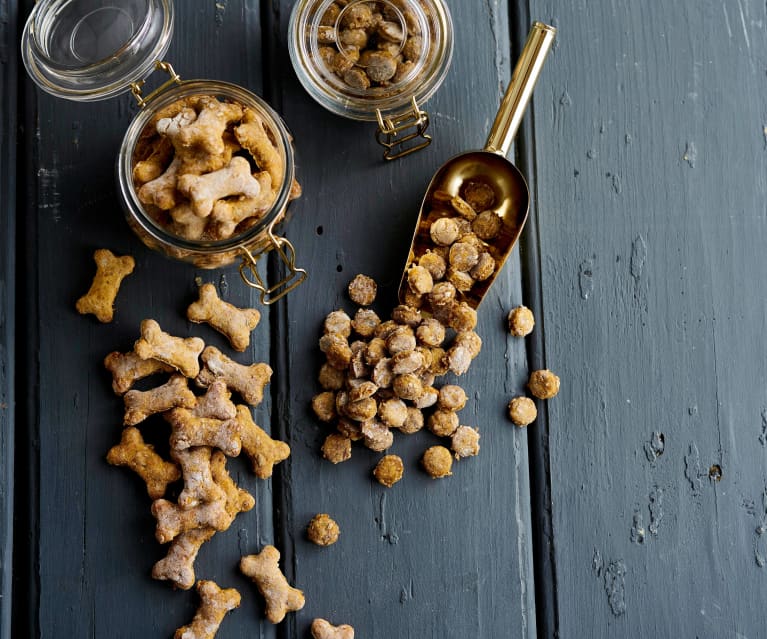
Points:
(364, 57)
(89, 50)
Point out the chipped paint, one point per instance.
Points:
(586, 278)
(656, 510)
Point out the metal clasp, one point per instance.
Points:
(159, 65)
(287, 254)
(393, 133)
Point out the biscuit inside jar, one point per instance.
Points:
(367, 45)
(208, 169)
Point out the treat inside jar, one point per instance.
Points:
(371, 44)
(207, 169)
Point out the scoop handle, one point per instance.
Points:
(520, 90)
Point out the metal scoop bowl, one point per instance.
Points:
(489, 166)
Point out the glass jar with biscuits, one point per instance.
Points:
(375, 60)
(206, 169)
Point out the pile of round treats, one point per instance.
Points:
(379, 376)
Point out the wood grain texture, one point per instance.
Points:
(8, 122)
(94, 546)
(445, 558)
(650, 156)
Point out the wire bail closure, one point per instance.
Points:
(287, 254)
(394, 133)
(159, 65)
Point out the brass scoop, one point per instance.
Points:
(489, 166)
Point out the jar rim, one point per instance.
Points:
(364, 104)
(82, 79)
(129, 193)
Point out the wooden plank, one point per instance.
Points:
(8, 70)
(432, 558)
(93, 545)
(649, 148)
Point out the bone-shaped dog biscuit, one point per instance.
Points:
(141, 458)
(110, 272)
(141, 404)
(205, 190)
(127, 368)
(214, 604)
(248, 381)
(162, 190)
(153, 166)
(207, 131)
(171, 126)
(227, 214)
(263, 451)
(178, 565)
(199, 486)
(197, 162)
(235, 323)
(190, 431)
(252, 135)
(177, 352)
(172, 519)
(216, 403)
(186, 223)
(264, 570)
(322, 629)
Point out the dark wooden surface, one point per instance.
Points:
(646, 152)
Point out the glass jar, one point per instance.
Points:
(83, 50)
(374, 60)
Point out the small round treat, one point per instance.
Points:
(322, 530)
(458, 359)
(460, 279)
(419, 280)
(358, 16)
(442, 294)
(465, 442)
(433, 263)
(478, 194)
(437, 461)
(462, 317)
(361, 389)
(451, 397)
(389, 470)
(324, 406)
(463, 208)
(331, 378)
(379, 65)
(430, 332)
(412, 49)
(406, 362)
(336, 350)
(362, 290)
(337, 448)
(443, 423)
(384, 329)
(463, 256)
(543, 384)
(443, 231)
(404, 314)
(488, 225)
(354, 40)
(331, 14)
(427, 398)
(407, 386)
(522, 411)
(414, 421)
(365, 322)
(392, 412)
(484, 267)
(470, 341)
(338, 322)
(375, 351)
(521, 321)
(361, 410)
(401, 339)
(382, 375)
(376, 436)
(413, 299)
(349, 428)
